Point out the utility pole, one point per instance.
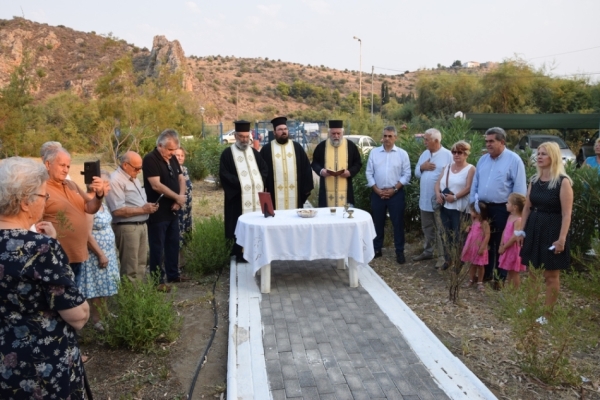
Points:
(359, 75)
(372, 76)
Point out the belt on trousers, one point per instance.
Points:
(130, 223)
(494, 204)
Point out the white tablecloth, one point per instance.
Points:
(290, 237)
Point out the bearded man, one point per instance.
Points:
(242, 172)
(336, 160)
(290, 178)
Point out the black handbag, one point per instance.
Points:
(434, 204)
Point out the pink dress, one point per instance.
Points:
(511, 260)
(474, 239)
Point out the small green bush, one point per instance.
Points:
(142, 317)
(207, 250)
(545, 351)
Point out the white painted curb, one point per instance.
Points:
(452, 376)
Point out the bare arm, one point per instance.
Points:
(93, 202)
(525, 213)
(566, 204)
(126, 212)
(76, 316)
(93, 244)
(437, 190)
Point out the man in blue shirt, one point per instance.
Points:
(499, 173)
(388, 171)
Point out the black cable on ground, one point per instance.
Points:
(214, 329)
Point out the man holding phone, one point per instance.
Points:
(130, 210)
(163, 176)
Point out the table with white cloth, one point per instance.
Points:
(287, 236)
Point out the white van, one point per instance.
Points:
(311, 129)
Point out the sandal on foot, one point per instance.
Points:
(480, 287)
(469, 284)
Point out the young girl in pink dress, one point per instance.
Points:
(476, 246)
(510, 260)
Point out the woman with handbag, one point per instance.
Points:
(452, 193)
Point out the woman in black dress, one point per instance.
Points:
(547, 216)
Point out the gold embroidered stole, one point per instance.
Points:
(284, 175)
(336, 187)
(250, 180)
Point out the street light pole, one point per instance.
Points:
(359, 75)
(372, 76)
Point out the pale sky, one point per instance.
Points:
(396, 34)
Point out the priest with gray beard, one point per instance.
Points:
(336, 160)
(242, 172)
(290, 178)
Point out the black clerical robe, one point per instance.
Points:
(304, 179)
(354, 166)
(233, 192)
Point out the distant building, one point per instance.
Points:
(470, 64)
(489, 64)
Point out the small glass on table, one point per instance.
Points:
(332, 210)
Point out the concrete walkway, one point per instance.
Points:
(314, 337)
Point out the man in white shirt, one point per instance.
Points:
(428, 169)
(388, 171)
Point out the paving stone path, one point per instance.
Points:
(325, 340)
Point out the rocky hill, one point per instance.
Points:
(61, 58)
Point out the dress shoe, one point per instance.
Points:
(422, 256)
(378, 254)
(163, 288)
(400, 258)
(445, 266)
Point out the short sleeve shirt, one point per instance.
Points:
(155, 165)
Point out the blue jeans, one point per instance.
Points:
(163, 239)
(395, 206)
(452, 221)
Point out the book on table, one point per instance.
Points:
(266, 204)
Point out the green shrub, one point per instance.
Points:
(204, 157)
(142, 317)
(545, 351)
(207, 250)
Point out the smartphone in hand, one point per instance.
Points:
(158, 200)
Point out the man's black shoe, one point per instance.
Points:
(378, 254)
(400, 259)
(445, 266)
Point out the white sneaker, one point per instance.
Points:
(542, 320)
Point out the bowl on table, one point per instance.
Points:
(304, 213)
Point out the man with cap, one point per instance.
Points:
(242, 172)
(290, 178)
(336, 160)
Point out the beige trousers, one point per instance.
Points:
(132, 248)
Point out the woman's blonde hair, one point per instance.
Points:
(463, 146)
(557, 168)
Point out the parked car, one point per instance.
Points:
(533, 141)
(228, 137)
(587, 149)
(364, 143)
(262, 133)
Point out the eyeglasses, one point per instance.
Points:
(457, 152)
(136, 169)
(390, 136)
(170, 170)
(45, 196)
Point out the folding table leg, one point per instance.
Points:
(341, 263)
(265, 279)
(353, 272)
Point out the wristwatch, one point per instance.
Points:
(395, 189)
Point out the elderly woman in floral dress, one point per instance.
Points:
(40, 305)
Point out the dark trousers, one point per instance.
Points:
(163, 239)
(395, 206)
(498, 216)
(452, 221)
